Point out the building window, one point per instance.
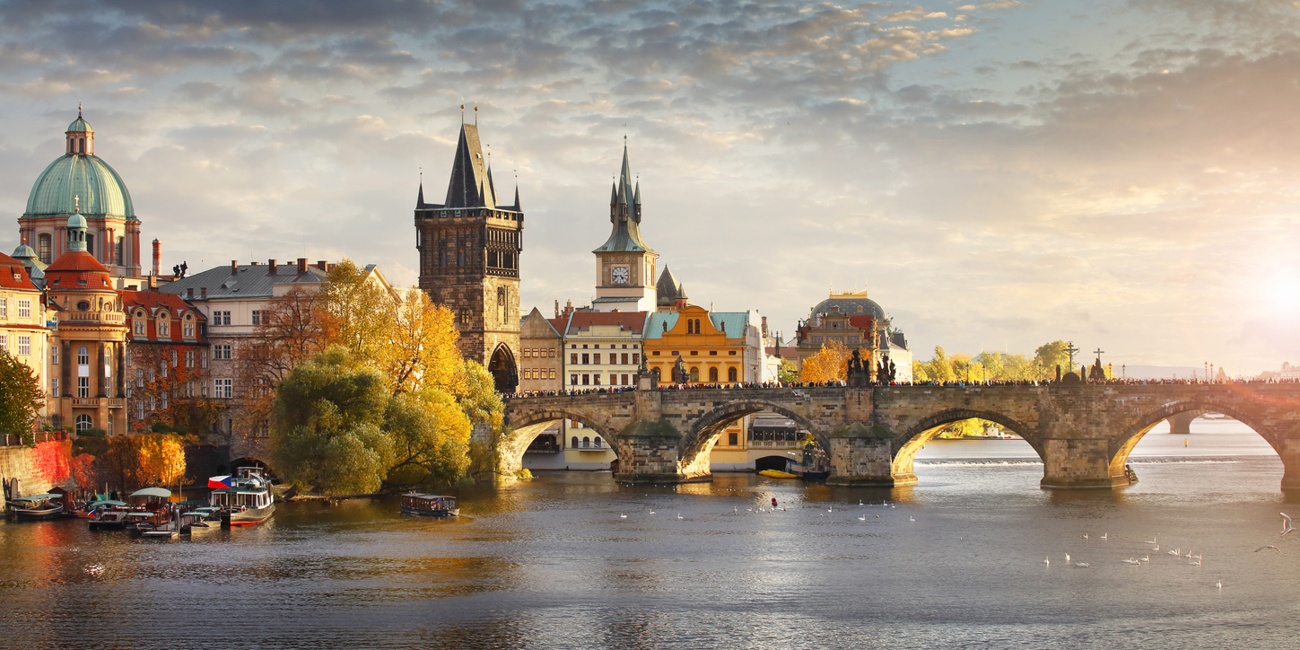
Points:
(139, 378)
(54, 354)
(83, 422)
(24, 346)
(573, 380)
(695, 375)
(223, 388)
(731, 439)
(54, 386)
(188, 329)
(83, 356)
(713, 375)
(4, 308)
(43, 248)
(552, 373)
(636, 359)
(139, 327)
(189, 358)
(25, 309)
(613, 379)
(257, 317)
(586, 380)
(117, 253)
(83, 386)
(164, 327)
(731, 374)
(220, 318)
(596, 358)
(221, 352)
(573, 358)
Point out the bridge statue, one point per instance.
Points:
(1083, 432)
(859, 374)
(680, 376)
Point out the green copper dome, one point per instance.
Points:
(80, 125)
(79, 176)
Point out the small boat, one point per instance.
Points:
(776, 473)
(36, 507)
(429, 505)
(97, 506)
(153, 510)
(201, 521)
(244, 499)
(112, 517)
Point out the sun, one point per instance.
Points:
(1282, 291)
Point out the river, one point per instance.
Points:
(576, 561)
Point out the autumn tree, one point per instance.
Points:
(831, 363)
(292, 329)
(170, 379)
(20, 396)
(363, 310)
(422, 349)
(145, 459)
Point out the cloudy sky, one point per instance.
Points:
(1123, 174)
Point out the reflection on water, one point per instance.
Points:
(956, 560)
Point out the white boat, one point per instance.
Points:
(244, 499)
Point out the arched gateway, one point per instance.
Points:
(1083, 432)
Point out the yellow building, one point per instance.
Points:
(23, 333)
(713, 348)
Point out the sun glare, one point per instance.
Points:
(1283, 292)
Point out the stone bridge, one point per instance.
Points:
(1082, 432)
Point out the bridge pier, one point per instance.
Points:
(1290, 453)
(1079, 463)
(1182, 423)
(648, 452)
(862, 457)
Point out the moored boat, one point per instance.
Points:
(244, 499)
(201, 521)
(429, 505)
(36, 507)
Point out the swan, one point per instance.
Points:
(1286, 524)
(1047, 560)
(622, 516)
(1132, 560)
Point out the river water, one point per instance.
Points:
(576, 561)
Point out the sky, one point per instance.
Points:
(996, 174)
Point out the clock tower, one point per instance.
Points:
(625, 264)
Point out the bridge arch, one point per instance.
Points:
(527, 423)
(1137, 428)
(700, 440)
(914, 437)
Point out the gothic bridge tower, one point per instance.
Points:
(469, 259)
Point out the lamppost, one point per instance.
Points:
(1211, 379)
(1206, 365)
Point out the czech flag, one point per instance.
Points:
(219, 482)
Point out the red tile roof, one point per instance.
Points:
(630, 320)
(13, 275)
(72, 267)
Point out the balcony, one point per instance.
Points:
(93, 317)
(95, 402)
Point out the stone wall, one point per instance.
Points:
(20, 463)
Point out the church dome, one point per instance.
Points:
(82, 181)
(849, 304)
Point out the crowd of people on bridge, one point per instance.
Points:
(612, 390)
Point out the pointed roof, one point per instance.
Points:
(470, 186)
(668, 288)
(625, 214)
(419, 198)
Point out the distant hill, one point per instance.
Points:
(1162, 372)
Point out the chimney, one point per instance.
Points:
(157, 256)
(203, 293)
(323, 265)
(271, 263)
(302, 265)
(234, 267)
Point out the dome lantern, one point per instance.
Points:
(76, 228)
(81, 137)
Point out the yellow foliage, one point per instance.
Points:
(831, 363)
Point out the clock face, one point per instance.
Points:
(619, 275)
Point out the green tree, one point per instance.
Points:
(940, 367)
(327, 429)
(787, 373)
(363, 310)
(1050, 355)
(20, 396)
(430, 439)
